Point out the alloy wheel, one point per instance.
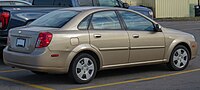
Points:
(180, 58)
(85, 68)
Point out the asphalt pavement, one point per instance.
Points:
(153, 77)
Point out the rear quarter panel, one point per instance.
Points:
(69, 43)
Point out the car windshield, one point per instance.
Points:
(55, 19)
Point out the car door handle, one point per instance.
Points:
(97, 36)
(136, 36)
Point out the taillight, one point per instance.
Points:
(44, 39)
(4, 19)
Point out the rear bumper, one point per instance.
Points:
(39, 60)
(3, 39)
(37, 68)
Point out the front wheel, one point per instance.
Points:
(179, 58)
(83, 68)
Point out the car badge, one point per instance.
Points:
(19, 32)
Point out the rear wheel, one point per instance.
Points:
(179, 58)
(83, 68)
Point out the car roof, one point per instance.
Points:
(85, 11)
(16, 1)
(92, 8)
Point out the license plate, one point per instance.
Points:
(20, 42)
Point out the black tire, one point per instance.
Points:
(74, 70)
(1, 55)
(172, 64)
(39, 73)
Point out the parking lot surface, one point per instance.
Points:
(154, 77)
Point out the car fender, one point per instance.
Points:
(77, 50)
(172, 46)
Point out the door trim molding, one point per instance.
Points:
(147, 47)
(135, 63)
(114, 48)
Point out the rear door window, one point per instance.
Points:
(4, 3)
(52, 3)
(85, 2)
(61, 3)
(106, 20)
(55, 19)
(110, 3)
(43, 2)
(20, 4)
(85, 23)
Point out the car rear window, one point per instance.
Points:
(55, 19)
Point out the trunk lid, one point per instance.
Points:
(25, 39)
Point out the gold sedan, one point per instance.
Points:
(81, 41)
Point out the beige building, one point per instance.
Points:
(168, 8)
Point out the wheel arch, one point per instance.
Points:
(187, 46)
(175, 44)
(86, 48)
(91, 53)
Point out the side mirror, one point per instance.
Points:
(157, 28)
(125, 5)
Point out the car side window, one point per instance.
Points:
(110, 3)
(106, 20)
(84, 23)
(61, 3)
(20, 4)
(135, 21)
(43, 2)
(85, 2)
(5, 3)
